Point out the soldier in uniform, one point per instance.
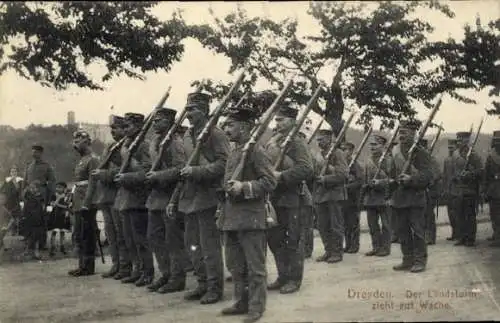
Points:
(105, 197)
(350, 208)
(39, 170)
(130, 202)
(285, 239)
(307, 213)
(492, 186)
(166, 235)
(198, 201)
(432, 192)
(374, 192)
(243, 218)
(394, 219)
(465, 190)
(447, 176)
(408, 198)
(84, 210)
(329, 194)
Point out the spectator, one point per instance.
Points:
(59, 219)
(34, 213)
(12, 188)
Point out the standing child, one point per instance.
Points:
(59, 219)
(33, 213)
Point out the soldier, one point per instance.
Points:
(198, 201)
(492, 186)
(408, 198)
(394, 218)
(374, 192)
(243, 218)
(39, 170)
(130, 202)
(285, 239)
(465, 190)
(329, 194)
(84, 210)
(166, 235)
(105, 197)
(308, 214)
(447, 176)
(350, 208)
(432, 192)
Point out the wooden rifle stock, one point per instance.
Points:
(142, 134)
(386, 151)
(204, 134)
(105, 161)
(335, 145)
(295, 130)
(434, 141)
(359, 148)
(315, 131)
(471, 147)
(420, 135)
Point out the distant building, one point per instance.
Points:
(97, 131)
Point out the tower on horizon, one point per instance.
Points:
(71, 118)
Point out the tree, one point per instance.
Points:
(54, 43)
(377, 54)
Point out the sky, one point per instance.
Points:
(23, 102)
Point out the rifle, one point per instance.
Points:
(259, 129)
(471, 147)
(105, 161)
(296, 128)
(433, 144)
(315, 131)
(420, 135)
(336, 144)
(360, 147)
(142, 133)
(201, 140)
(386, 151)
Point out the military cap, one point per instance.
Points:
(81, 134)
(165, 113)
(37, 147)
(496, 134)
(198, 99)
(380, 139)
(423, 142)
(182, 129)
(463, 135)
(133, 117)
(410, 124)
(347, 144)
(495, 140)
(245, 112)
(117, 120)
(287, 111)
(452, 142)
(325, 132)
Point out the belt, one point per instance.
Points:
(81, 183)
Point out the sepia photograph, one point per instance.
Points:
(249, 161)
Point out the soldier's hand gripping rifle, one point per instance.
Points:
(141, 135)
(336, 144)
(419, 136)
(202, 137)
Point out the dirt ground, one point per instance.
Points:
(358, 289)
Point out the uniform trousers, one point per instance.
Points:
(452, 217)
(245, 253)
(411, 233)
(494, 204)
(331, 227)
(86, 226)
(284, 240)
(430, 220)
(166, 238)
(308, 240)
(351, 213)
(135, 229)
(111, 227)
(380, 233)
(204, 240)
(465, 207)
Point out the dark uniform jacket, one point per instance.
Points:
(199, 193)
(434, 188)
(84, 185)
(447, 176)
(492, 176)
(133, 192)
(353, 187)
(413, 194)
(172, 161)
(247, 211)
(468, 186)
(43, 172)
(333, 188)
(105, 186)
(375, 195)
(297, 167)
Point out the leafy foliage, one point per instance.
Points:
(54, 42)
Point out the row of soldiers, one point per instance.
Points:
(265, 206)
